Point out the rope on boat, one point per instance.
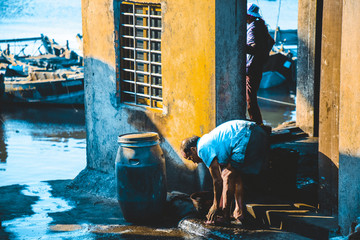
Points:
(276, 101)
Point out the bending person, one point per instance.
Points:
(231, 149)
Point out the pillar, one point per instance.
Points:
(329, 106)
(308, 66)
(349, 131)
(230, 55)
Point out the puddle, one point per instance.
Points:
(36, 225)
(40, 225)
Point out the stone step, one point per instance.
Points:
(286, 134)
(258, 211)
(308, 224)
(298, 218)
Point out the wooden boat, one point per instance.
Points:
(281, 66)
(55, 77)
(279, 69)
(48, 87)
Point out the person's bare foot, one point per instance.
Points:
(238, 214)
(237, 222)
(220, 221)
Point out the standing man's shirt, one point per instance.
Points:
(255, 45)
(250, 41)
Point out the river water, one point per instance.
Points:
(42, 143)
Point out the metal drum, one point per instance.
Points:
(140, 176)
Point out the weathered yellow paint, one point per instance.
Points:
(188, 70)
(328, 158)
(148, 1)
(98, 30)
(188, 65)
(330, 81)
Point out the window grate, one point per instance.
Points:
(140, 52)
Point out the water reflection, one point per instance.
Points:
(43, 143)
(36, 225)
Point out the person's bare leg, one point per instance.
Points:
(228, 192)
(239, 198)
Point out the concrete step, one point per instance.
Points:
(308, 224)
(258, 211)
(286, 134)
(298, 218)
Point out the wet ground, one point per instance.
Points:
(50, 210)
(53, 210)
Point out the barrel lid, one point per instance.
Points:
(138, 137)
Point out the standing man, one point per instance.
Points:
(231, 149)
(256, 47)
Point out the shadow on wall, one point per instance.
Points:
(179, 177)
(328, 185)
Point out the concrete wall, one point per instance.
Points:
(349, 132)
(230, 60)
(191, 70)
(308, 65)
(329, 106)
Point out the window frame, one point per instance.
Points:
(148, 92)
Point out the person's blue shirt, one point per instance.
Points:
(227, 141)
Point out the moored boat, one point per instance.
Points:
(280, 67)
(48, 87)
(53, 77)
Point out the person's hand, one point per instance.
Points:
(212, 214)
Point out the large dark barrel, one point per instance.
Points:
(141, 177)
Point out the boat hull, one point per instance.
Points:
(49, 91)
(279, 69)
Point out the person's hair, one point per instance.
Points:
(188, 143)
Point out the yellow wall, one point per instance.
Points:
(188, 58)
(188, 70)
(98, 30)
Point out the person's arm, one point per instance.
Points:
(215, 172)
(250, 49)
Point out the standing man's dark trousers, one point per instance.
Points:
(252, 87)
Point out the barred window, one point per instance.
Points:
(140, 53)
